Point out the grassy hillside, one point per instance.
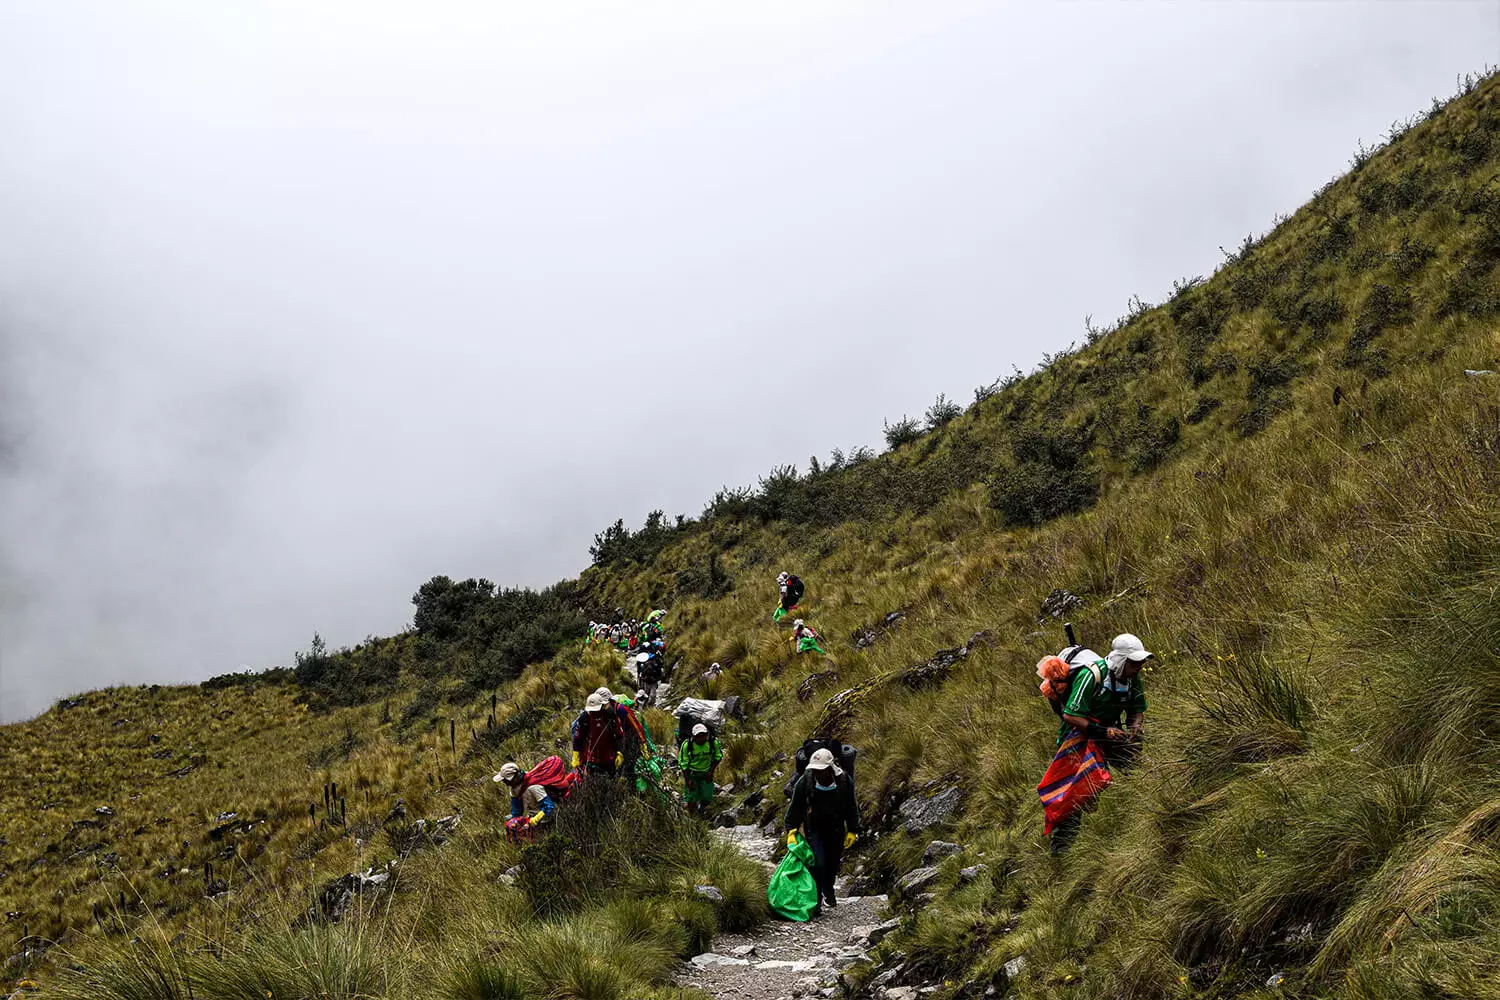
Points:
(1281, 478)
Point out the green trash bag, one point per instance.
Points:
(793, 894)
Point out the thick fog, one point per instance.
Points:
(304, 303)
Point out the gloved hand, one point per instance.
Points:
(619, 759)
(575, 759)
(1116, 734)
(791, 837)
(537, 817)
(849, 839)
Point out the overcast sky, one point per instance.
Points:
(303, 303)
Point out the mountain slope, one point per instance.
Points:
(1281, 479)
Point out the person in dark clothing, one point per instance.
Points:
(824, 812)
(791, 592)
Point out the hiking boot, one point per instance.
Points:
(817, 911)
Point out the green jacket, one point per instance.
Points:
(699, 758)
(1092, 699)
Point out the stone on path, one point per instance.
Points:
(709, 959)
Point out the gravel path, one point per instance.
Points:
(784, 959)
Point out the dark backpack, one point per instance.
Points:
(843, 755)
(685, 724)
(793, 590)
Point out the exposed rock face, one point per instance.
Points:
(335, 898)
(917, 881)
(938, 850)
(937, 668)
(868, 635)
(921, 814)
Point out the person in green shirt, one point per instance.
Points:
(1107, 701)
(806, 638)
(698, 758)
(1106, 698)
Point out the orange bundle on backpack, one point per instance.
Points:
(1053, 670)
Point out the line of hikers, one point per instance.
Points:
(626, 634)
(610, 740)
(1099, 700)
(805, 638)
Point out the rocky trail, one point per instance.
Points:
(783, 959)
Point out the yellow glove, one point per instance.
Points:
(849, 839)
(791, 837)
(541, 814)
(619, 759)
(575, 758)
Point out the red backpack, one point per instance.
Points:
(552, 774)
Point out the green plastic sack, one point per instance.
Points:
(792, 893)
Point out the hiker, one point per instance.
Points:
(698, 758)
(806, 638)
(791, 592)
(1105, 703)
(532, 800)
(824, 812)
(633, 743)
(651, 629)
(648, 673)
(598, 737)
(713, 671)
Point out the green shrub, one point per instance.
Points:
(902, 432)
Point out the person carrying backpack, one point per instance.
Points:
(598, 737)
(1105, 704)
(698, 758)
(649, 672)
(1107, 700)
(791, 592)
(806, 638)
(633, 742)
(824, 812)
(534, 794)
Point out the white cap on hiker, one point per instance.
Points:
(509, 774)
(700, 730)
(821, 760)
(1126, 647)
(594, 703)
(783, 577)
(797, 622)
(605, 693)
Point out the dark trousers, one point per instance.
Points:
(827, 845)
(600, 767)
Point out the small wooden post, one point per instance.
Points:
(453, 735)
